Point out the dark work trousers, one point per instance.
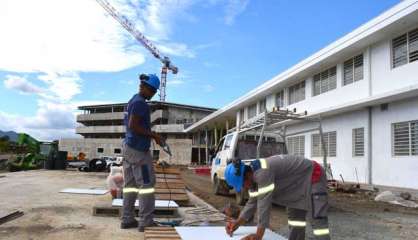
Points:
(139, 180)
(297, 225)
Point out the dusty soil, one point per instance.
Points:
(351, 216)
(51, 215)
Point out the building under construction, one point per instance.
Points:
(102, 128)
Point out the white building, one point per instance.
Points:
(365, 88)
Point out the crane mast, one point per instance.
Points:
(167, 65)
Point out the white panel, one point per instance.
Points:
(211, 233)
(158, 203)
(85, 191)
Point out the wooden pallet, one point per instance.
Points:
(161, 233)
(106, 210)
(170, 185)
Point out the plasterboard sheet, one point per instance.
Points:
(85, 191)
(158, 203)
(212, 233)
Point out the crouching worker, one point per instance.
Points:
(292, 181)
(138, 171)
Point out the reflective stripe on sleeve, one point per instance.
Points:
(296, 223)
(320, 232)
(263, 163)
(146, 190)
(262, 190)
(129, 190)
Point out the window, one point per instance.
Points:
(353, 69)
(228, 141)
(297, 92)
(117, 151)
(405, 138)
(241, 115)
(405, 49)
(325, 81)
(330, 141)
(296, 145)
(252, 111)
(99, 150)
(262, 106)
(358, 142)
(280, 99)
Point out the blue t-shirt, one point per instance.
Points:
(138, 106)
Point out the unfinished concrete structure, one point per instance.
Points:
(364, 86)
(103, 130)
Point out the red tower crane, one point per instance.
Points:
(167, 65)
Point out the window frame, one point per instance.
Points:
(410, 139)
(321, 80)
(353, 68)
(276, 96)
(408, 53)
(301, 142)
(297, 86)
(100, 151)
(326, 141)
(354, 142)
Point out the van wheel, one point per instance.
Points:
(241, 197)
(217, 188)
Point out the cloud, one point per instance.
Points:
(233, 9)
(52, 120)
(208, 88)
(175, 82)
(62, 86)
(21, 84)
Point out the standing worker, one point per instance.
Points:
(292, 181)
(138, 168)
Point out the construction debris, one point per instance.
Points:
(11, 216)
(389, 197)
(85, 191)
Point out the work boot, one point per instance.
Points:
(132, 224)
(142, 228)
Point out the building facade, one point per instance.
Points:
(364, 86)
(102, 128)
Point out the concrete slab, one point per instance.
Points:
(210, 233)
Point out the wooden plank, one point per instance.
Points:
(167, 170)
(161, 233)
(170, 176)
(175, 197)
(168, 190)
(110, 211)
(170, 185)
(169, 180)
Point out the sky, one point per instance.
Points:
(56, 55)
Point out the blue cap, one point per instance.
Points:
(232, 179)
(152, 81)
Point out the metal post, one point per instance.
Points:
(260, 140)
(215, 133)
(324, 149)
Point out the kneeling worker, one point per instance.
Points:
(138, 168)
(292, 181)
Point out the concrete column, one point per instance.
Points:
(227, 125)
(215, 133)
(198, 145)
(207, 149)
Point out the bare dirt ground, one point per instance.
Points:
(51, 215)
(351, 216)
